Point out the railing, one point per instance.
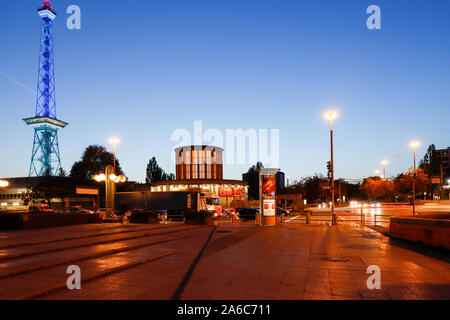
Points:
(361, 218)
(380, 215)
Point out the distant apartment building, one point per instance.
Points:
(281, 178)
(444, 155)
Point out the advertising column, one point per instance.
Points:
(268, 193)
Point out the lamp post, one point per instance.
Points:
(114, 141)
(4, 183)
(384, 163)
(110, 184)
(330, 116)
(414, 145)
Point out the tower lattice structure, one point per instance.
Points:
(45, 157)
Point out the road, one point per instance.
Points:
(382, 213)
(229, 261)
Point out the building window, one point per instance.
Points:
(195, 171)
(187, 171)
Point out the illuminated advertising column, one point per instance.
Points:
(268, 195)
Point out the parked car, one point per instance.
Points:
(40, 208)
(229, 212)
(247, 213)
(80, 210)
(281, 210)
(106, 214)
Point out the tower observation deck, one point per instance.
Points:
(45, 157)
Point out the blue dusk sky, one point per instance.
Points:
(139, 70)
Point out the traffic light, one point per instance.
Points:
(329, 169)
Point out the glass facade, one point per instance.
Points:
(199, 162)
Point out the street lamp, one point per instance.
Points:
(114, 141)
(4, 183)
(384, 163)
(414, 145)
(110, 184)
(330, 116)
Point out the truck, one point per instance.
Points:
(212, 203)
(174, 203)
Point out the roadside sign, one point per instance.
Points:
(87, 190)
(436, 180)
(268, 192)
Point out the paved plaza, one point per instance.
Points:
(292, 261)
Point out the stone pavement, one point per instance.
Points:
(293, 261)
(14, 237)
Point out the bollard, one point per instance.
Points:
(375, 220)
(334, 219)
(362, 217)
(282, 218)
(257, 217)
(164, 218)
(307, 217)
(233, 218)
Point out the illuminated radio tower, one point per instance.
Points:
(45, 155)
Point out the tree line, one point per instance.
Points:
(316, 188)
(94, 160)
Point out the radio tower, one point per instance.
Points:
(45, 157)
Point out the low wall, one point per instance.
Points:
(433, 230)
(432, 202)
(45, 220)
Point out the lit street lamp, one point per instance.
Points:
(4, 184)
(110, 184)
(414, 145)
(384, 163)
(114, 141)
(330, 116)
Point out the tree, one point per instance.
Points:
(155, 173)
(252, 179)
(168, 176)
(377, 188)
(48, 187)
(430, 164)
(404, 182)
(93, 161)
(314, 188)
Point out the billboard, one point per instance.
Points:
(268, 192)
(230, 192)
